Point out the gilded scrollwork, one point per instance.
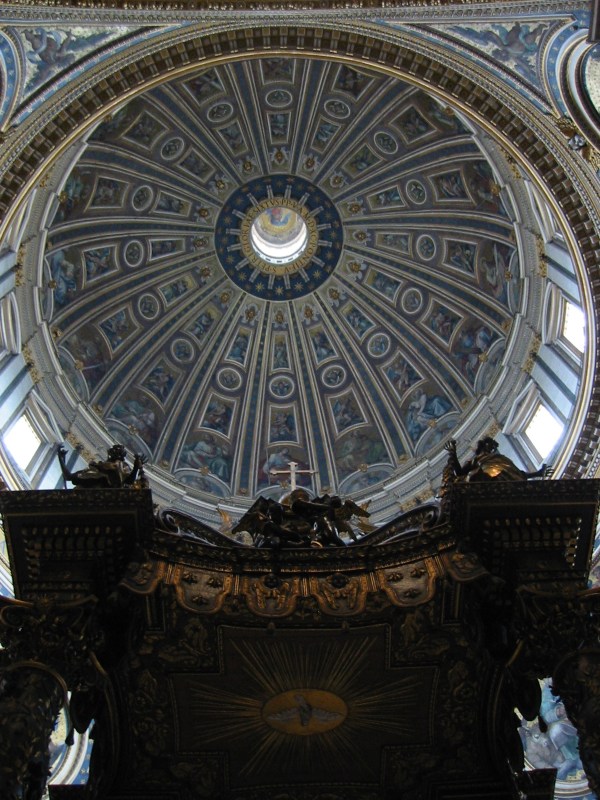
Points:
(549, 626)
(271, 595)
(197, 779)
(422, 626)
(149, 706)
(200, 591)
(463, 566)
(416, 635)
(142, 577)
(339, 594)
(30, 700)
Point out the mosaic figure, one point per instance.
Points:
(470, 344)
(357, 448)
(145, 130)
(138, 412)
(412, 124)
(160, 381)
(450, 186)
(205, 85)
(443, 322)
(282, 426)
(401, 374)
(351, 81)
(321, 345)
(217, 415)
(239, 348)
(64, 273)
(108, 193)
(461, 255)
(118, 327)
(208, 453)
(346, 412)
(97, 262)
(423, 411)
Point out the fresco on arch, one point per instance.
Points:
(515, 45)
(49, 51)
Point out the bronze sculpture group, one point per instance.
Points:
(299, 520)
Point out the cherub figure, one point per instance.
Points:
(342, 512)
(299, 521)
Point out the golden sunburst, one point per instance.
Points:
(304, 703)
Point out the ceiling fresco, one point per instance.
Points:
(298, 259)
(360, 354)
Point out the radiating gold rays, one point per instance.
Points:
(313, 703)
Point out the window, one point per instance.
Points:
(22, 442)
(574, 326)
(6, 587)
(543, 431)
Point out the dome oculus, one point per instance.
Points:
(279, 235)
(278, 238)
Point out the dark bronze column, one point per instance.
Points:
(577, 682)
(48, 650)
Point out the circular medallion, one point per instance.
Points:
(182, 350)
(281, 386)
(416, 191)
(142, 198)
(278, 237)
(134, 253)
(337, 109)
(219, 112)
(303, 712)
(385, 142)
(172, 148)
(229, 379)
(334, 376)
(279, 98)
(426, 247)
(412, 301)
(148, 306)
(379, 344)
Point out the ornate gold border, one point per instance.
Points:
(290, 267)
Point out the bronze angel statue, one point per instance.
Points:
(299, 521)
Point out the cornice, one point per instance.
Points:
(151, 12)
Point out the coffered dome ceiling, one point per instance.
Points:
(285, 259)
